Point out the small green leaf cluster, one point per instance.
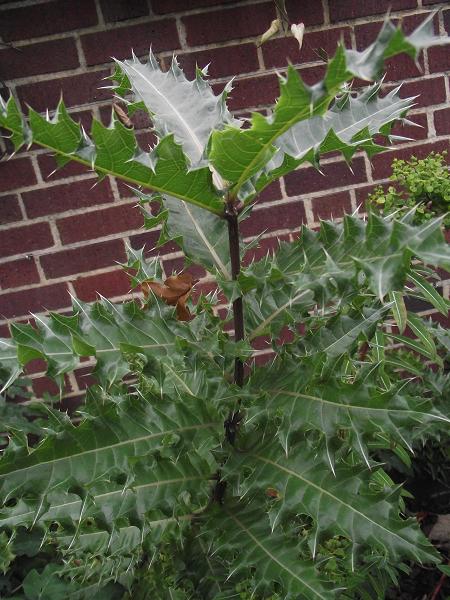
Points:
(183, 475)
(422, 185)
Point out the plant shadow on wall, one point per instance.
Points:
(191, 472)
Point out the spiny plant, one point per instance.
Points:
(191, 472)
(423, 184)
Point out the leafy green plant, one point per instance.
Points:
(420, 184)
(187, 477)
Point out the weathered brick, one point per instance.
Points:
(18, 272)
(284, 216)
(81, 260)
(252, 92)
(47, 18)
(37, 299)
(279, 52)
(9, 209)
(121, 10)
(307, 180)
(113, 283)
(224, 62)
(235, 23)
(20, 240)
(309, 13)
(88, 226)
(76, 90)
(162, 7)
(16, 173)
(442, 121)
(100, 47)
(34, 59)
(340, 10)
(382, 162)
(59, 198)
(333, 206)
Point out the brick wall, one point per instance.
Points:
(60, 234)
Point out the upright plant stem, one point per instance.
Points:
(238, 312)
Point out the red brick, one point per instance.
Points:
(43, 386)
(235, 23)
(46, 57)
(167, 6)
(284, 216)
(100, 47)
(268, 245)
(341, 10)
(49, 200)
(224, 62)
(114, 283)
(312, 75)
(79, 260)
(47, 18)
(382, 162)
(84, 378)
(47, 166)
(38, 299)
(428, 91)
(415, 133)
(76, 90)
(99, 223)
(252, 92)
(334, 175)
(176, 265)
(20, 240)
(16, 173)
(398, 67)
(121, 10)
(148, 240)
(439, 59)
(281, 51)
(442, 121)
(9, 209)
(4, 331)
(271, 192)
(362, 193)
(18, 272)
(309, 13)
(333, 206)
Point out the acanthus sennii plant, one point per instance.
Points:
(186, 476)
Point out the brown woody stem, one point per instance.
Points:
(238, 312)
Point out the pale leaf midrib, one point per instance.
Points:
(112, 446)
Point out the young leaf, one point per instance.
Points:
(187, 109)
